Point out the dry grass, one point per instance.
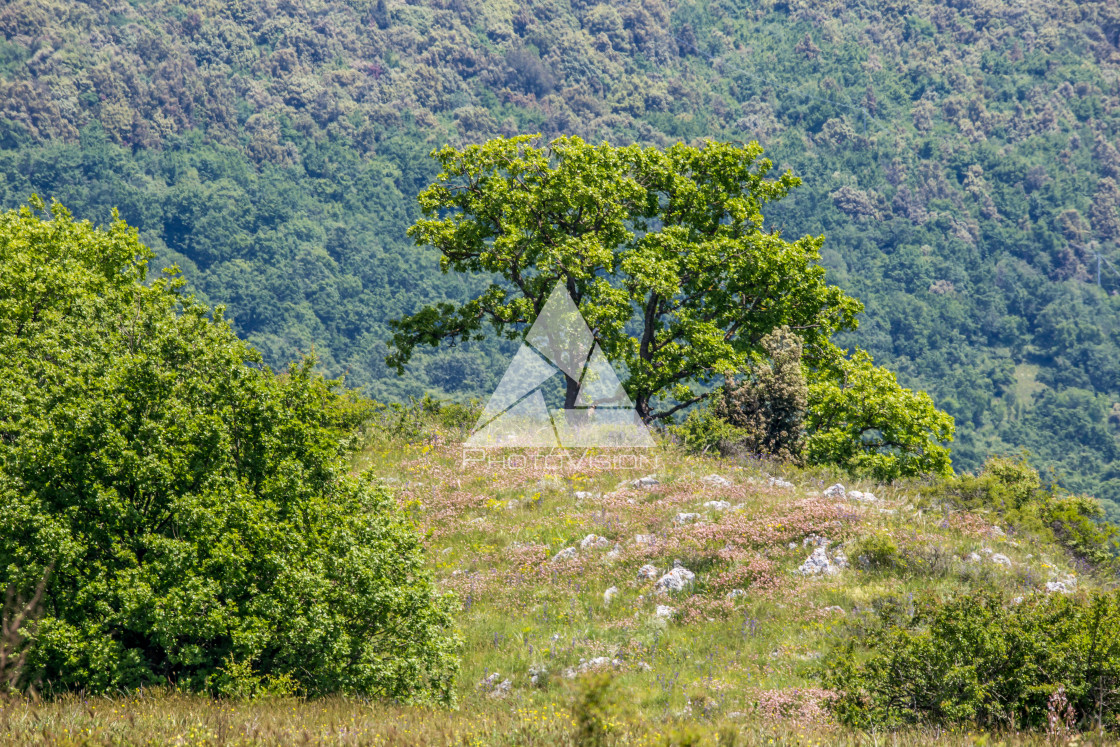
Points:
(168, 718)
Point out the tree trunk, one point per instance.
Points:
(570, 392)
(641, 404)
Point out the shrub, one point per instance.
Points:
(860, 418)
(767, 409)
(594, 709)
(763, 412)
(844, 412)
(878, 551)
(1013, 489)
(195, 510)
(974, 660)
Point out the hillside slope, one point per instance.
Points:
(711, 593)
(962, 161)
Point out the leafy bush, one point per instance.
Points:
(878, 551)
(974, 660)
(768, 407)
(1013, 488)
(851, 414)
(595, 710)
(861, 419)
(195, 510)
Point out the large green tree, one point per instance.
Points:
(192, 512)
(664, 252)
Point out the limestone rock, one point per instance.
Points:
(568, 553)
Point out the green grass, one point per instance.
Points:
(720, 671)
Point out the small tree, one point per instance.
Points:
(768, 406)
(861, 419)
(672, 238)
(196, 511)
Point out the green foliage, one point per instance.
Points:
(878, 551)
(861, 419)
(962, 163)
(768, 407)
(855, 416)
(195, 511)
(674, 233)
(703, 431)
(1014, 489)
(973, 660)
(425, 419)
(595, 709)
(238, 680)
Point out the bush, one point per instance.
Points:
(974, 660)
(595, 710)
(1013, 489)
(195, 510)
(767, 409)
(860, 419)
(762, 413)
(878, 551)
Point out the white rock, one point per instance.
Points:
(610, 594)
(685, 518)
(597, 663)
(736, 593)
(647, 572)
(594, 542)
(834, 491)
(643, 666)
(537, 675)
(495, 686)
(793, 545)
(566, 554)
(717, 505)
(1001, 559)
(614, 553)
(649, 481)
(675, 580)
(973, 558)
(716, 481)
(817, 564)
(997, 532)
(583, 495)
(664, 611)
(1057, 587)
(835, 609)
(986, 550)
(776, 482)
(814, 540)
(644, 539)
(1017, 600)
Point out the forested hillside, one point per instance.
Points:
(962, 161)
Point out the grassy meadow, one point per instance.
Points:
(550, 659)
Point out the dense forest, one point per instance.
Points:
(962, 162)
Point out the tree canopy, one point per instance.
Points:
(191, 512)
(668, 258)
(663, 251)
(961, 158)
